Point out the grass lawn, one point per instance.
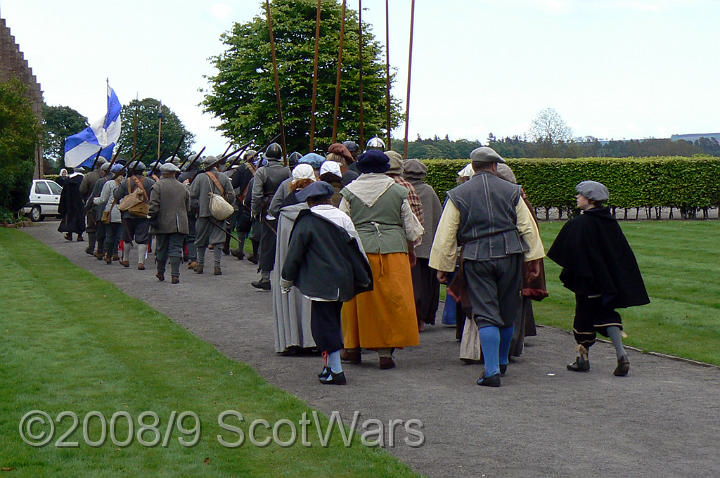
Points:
(74, 342)
(680, 263)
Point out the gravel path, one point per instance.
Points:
(660, 421)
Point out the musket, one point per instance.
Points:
(238, 151)
(182, 138)
(196, 157)
(133, 159)
(228, 149)
(117, 152)
(96, 158)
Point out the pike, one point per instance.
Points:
(96, 158)
(117, 152)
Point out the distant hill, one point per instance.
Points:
(694, 137)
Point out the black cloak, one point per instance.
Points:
(597, 259)
(324, 260)
(71, 208)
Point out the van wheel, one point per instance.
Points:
(35, 214)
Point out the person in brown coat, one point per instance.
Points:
(169, 203)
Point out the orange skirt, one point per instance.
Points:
(385, 316)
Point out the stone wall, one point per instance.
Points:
(14, 65)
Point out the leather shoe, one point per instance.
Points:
(199, 269)
(386, 363)
(503, 369)
(80, 238)
(160, 276)
(108, 260)
(491, 381)
(192, 265)
(217, 271)
(175, 280)
(579, 365)
(334, 379)
(252, 259)
(124, 263)
(351, 356)
(88, 251)
(141, 267)
(623, 367)
(325, 372)
(237, 253)
(261, 284)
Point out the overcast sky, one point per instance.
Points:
(611, 68)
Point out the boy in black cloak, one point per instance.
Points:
(600, 268)
(326, 262)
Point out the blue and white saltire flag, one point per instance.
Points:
(81, 148)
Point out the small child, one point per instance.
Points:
(325, 260)
(600, 268)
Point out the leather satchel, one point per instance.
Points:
(134, 202)
(219, 207)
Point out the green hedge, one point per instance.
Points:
(633, 182)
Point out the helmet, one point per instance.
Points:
(154, 165)
(274, 151)
(100, 161)
(352, 146)
(137, 166)
(376, 143)
(294, 159)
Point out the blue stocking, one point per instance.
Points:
(506, 335)
(490, 342)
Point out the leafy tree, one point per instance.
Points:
(19, 130)
(242, 93)
(549, 126)
(146, 111)
(60, 122)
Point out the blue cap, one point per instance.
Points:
(318, 189)
(313, 159)
(116, 167)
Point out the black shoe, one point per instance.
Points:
(623, 367)
(252, 259)
(491, 381)
(325, 372)
(89, 251)
(334, 379)
(503, 369)
(261, 284)
(579, 365)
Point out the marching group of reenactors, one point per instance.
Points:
(371, 247)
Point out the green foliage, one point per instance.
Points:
(146, 111)
(242, 93)
(59, 123)
(436, 148)
(19, 131)
(633, 182)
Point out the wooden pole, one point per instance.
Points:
(137, 103)
(387, 68)
(407, 102)
(160, 118)
(362, 88)
(315, 76)
(339, 73)
(277, 81)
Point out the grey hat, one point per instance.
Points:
(414, 169)
(396, 162)
(208, 160)
(593, 190)
(105, 166)
(504, 172)
(250, 153)
(100, 161)
(169, 167)
(485, 154)
(352, 146)
(137, 166)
